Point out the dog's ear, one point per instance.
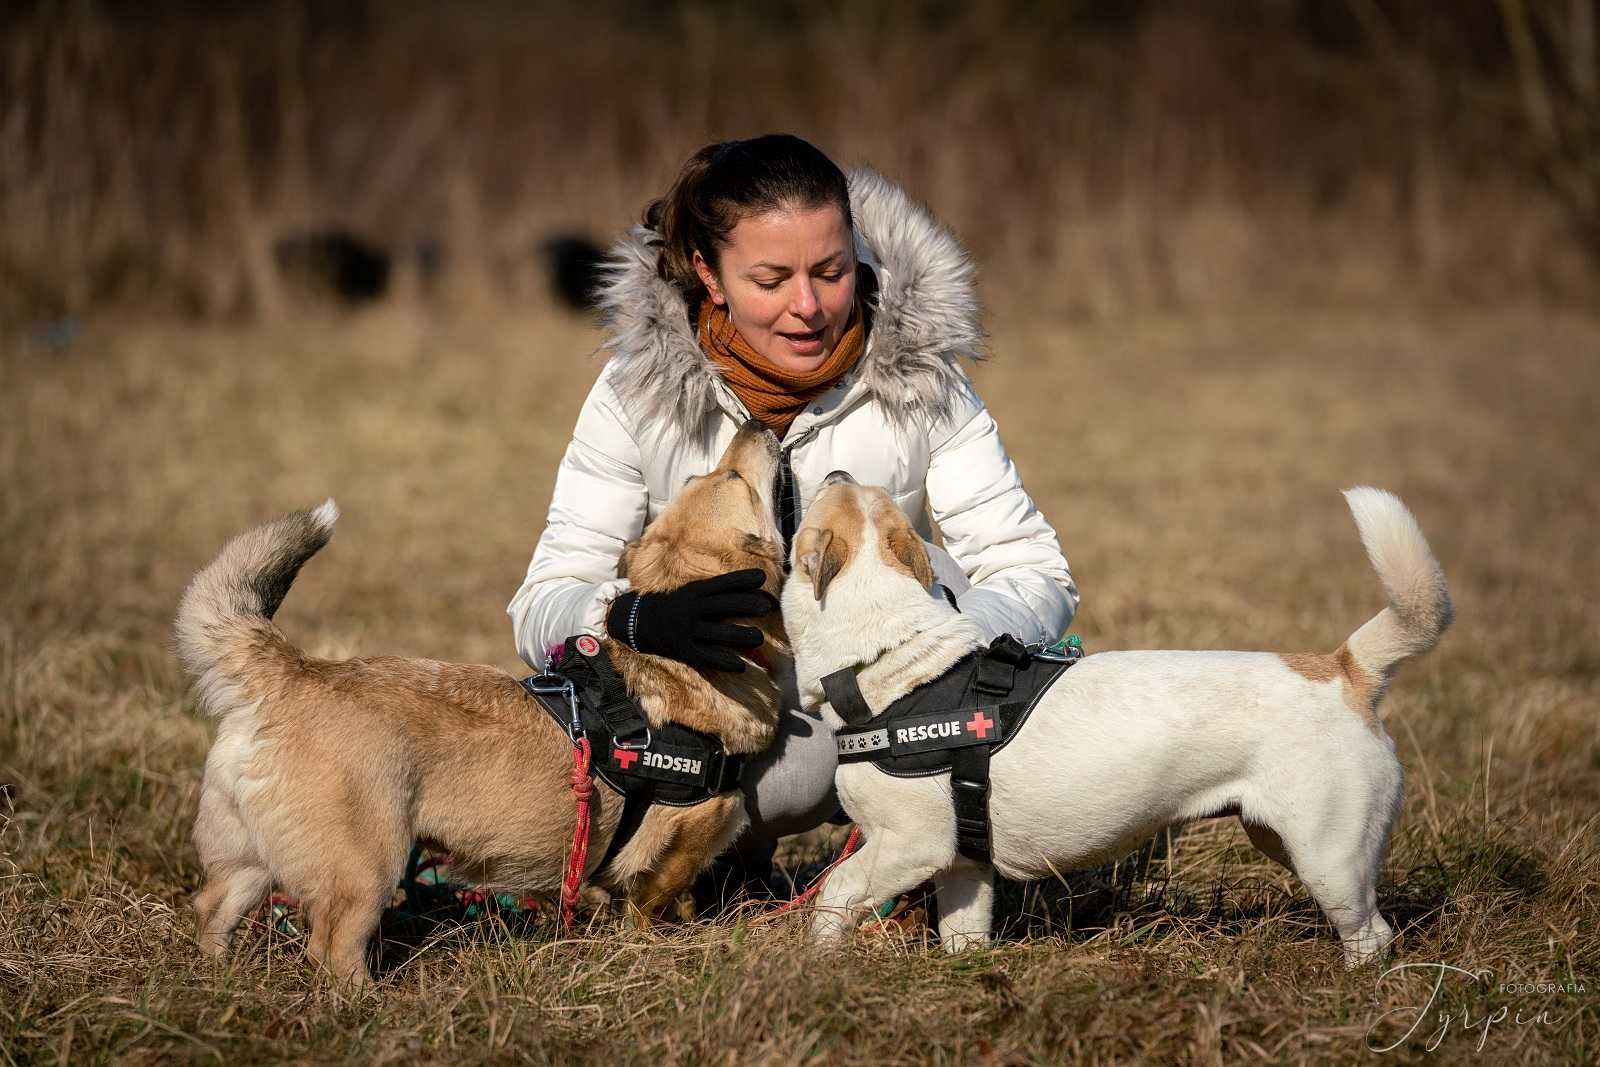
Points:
(625, 560)
(762, 547)
(819, 558)
(904, 545)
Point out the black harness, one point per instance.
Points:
(953, 723)
(673, 765)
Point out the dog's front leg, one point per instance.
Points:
(881, 870)
(966, 904)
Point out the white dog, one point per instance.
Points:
(1122, 744)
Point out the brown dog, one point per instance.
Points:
(324, 772)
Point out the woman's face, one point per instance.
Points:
(788, 280)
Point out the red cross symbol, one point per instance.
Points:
(980, 724)
(625, 757)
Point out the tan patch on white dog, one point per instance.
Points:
(834, 528)
(1360, 689)
(899, 545)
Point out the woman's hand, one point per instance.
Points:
(687, 623)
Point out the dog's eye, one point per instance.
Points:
(733, 476)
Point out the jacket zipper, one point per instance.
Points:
(788, 500)
(788, 495)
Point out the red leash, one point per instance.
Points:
(850, 844)
(583, 789)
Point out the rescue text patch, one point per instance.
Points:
(944, 729)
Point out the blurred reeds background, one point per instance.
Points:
(1160, 154)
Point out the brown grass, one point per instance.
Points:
(1192, 467)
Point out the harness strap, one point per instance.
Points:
(844, 693)
(997, 669)
(969, 789)
(635, 806)
(995, 678)
(721, 775)
(591, 669)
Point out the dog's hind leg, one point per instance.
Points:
(229, 895)
(1340, 869)
(1347, 895)
(966, 904)
(343, 920)
(355, 882)
(879, 871)
(236, 879)
(1336, 838)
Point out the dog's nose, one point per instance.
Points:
(757, 428)
(838, 476)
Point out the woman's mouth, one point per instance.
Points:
(808, 343)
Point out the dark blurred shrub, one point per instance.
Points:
(1099, 155)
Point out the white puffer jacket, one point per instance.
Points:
(905, 418)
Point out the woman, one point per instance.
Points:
(767, 285)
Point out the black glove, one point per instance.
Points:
(686, 624)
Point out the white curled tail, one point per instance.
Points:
(1419, 601)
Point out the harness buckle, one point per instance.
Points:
(974, 790)
(634, 745)
(557, 685)
(1067, 650)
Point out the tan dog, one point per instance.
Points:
(324, 772)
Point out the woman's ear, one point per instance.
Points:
(708, 278)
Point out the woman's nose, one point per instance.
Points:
(804, 303)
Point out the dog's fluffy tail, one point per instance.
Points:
(232, 599)
(1419, 602)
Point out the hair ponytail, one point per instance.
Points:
(679, 218)
(724, 182)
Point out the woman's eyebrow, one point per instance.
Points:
(781, 269)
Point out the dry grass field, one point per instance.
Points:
(1192, 466)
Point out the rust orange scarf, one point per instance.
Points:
(769, 394)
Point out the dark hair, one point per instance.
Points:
(722, 183)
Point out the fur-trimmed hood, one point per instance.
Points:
(925, 317)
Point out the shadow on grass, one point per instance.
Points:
(1139, 899)
(1131, 897)
(435, 915)
(1127, 896)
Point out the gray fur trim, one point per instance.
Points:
(925, 321)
